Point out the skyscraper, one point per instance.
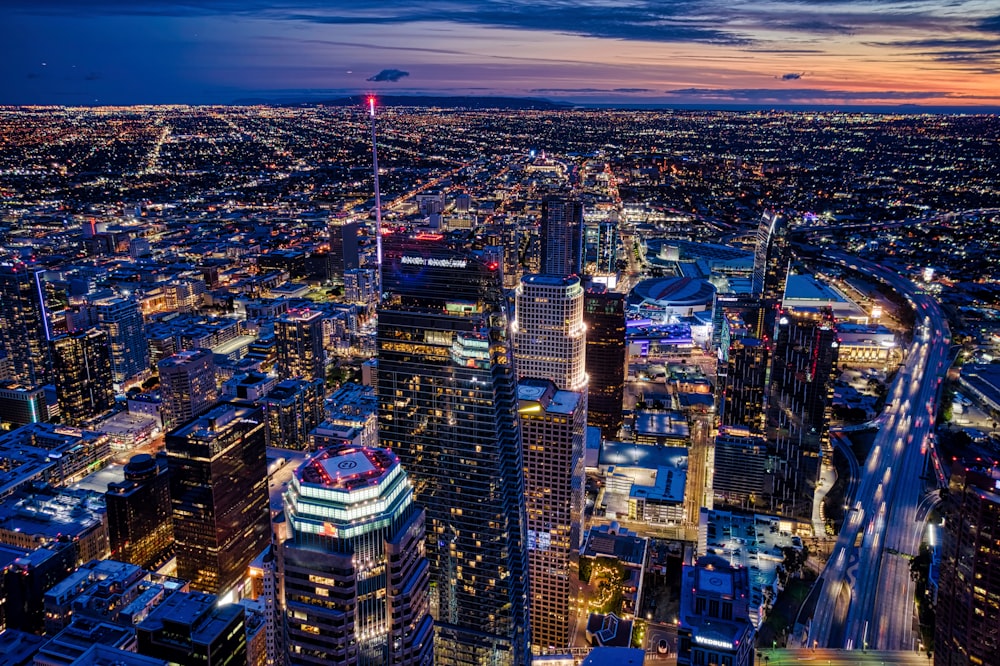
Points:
(967, 624)
(803, 369)
(604, 316)
(561, 236)
(24, 323)
(344, 246)
(121, 319)
(81, 363)
(299, 336)
(140, 522)
(549, 335)
(187, 385)
(20, 405)
(194, 628)
(292, 409)
(771, 257)
(742, 380)
(353, 568)
(447, 407)
(218, 490)
(552, 427)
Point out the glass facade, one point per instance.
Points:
(448, 408)
(218, 489)
(82, 368)
(23, 322)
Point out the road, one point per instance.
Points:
(867, 595)
(827, 657)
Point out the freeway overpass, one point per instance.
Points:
(867, 595)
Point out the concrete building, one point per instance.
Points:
(714, 625)
(187, 386)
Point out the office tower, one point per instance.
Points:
(803, 370)
(604, 316)
(742, 380)
(292, 409)
(192, 628)
(299, 336)
(344, 246)
(600, 247)
(549, 334)
(552, 427)
(140, 521)
(967, 624)
(353, 568)
(447, 407)
(24, 323)
(218, 490)
(21, 405)
(771, 257)
(25, 576)
(187, 385)
(81, 363)
(121, 319)
(561, 236)
(714, 625)
(744, 469)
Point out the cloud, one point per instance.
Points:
(791, 76)
(389, 75)
(560, 91)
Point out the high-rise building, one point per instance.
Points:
(549, 335)
(448, 408)
(81, 363)
(299, 336)
(552, 428)
(771, 257)
(714, 625)
(742, 381)
(187, 385)
(360, 286)
(218, 490)
(140, 520)
(561, 236)
(803, 371)
(353, 567)
(344, 246)
(292, 409)
(967, 624)
(744, 469)
(21, 405)
(24, 323)
(604, 316)
(194, 629)
(121, 319)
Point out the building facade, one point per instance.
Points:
(549, 335)
(714, 624)
(967, 625)
(81, 363)
(447, 399)
(292, 409)
(606, 353)
(140, 517)
(24, 323)
(561, 236)
(353, 569)
(121, 319)
(299, 337)
(552, 426)
(187, 385)
(218, 489)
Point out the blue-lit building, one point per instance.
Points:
(121, 319)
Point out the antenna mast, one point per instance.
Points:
(378, 202)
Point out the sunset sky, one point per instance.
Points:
(702, 52)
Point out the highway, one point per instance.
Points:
(867, 595)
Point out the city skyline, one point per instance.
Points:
(696, 52)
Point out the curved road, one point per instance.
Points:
(867, 595)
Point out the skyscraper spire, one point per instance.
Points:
(378, 200)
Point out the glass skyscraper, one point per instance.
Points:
(448, 408)
(122, 320)
(24, 324)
